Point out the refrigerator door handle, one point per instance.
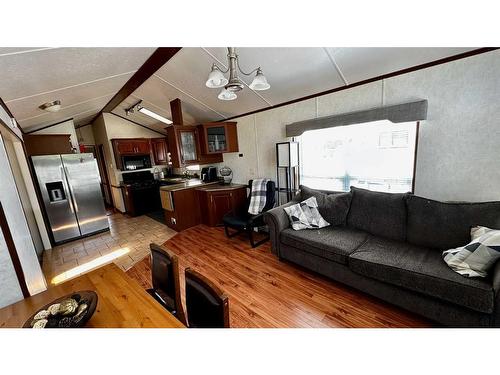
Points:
(66, 188)
(73, 200)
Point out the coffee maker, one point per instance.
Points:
(209, 174)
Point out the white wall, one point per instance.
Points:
(18, 225)
(67, 127)
(85, 135)
(458, 151)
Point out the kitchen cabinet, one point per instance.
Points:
(181, 208)
(218, 137)
(217, 200)
(130, 146)
(159, 150)
(184, 147)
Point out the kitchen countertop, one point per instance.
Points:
(221, 187)
(188, 184)
(200, 185)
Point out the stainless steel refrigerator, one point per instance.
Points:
(71, 192)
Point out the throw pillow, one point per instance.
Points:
(478, 256)
(305, 215)
(333, 207)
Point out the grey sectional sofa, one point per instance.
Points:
(390, 245)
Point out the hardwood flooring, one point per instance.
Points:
(264, 292)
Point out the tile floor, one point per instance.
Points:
(125, 244)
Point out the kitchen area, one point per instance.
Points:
(175, 179)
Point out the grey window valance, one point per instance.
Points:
(406, 112)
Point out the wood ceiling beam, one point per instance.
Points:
(159, 57)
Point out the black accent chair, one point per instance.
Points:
(244, 222)
(165, 278)
(207, 306)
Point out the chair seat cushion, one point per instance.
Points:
(243, 220)
(421, 270)
(333, 243)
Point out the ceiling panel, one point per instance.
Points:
(26, 108)
(93, 106)
(31, 73)
(188, 71)
(291, 72)
(160, 94)
(11, 50)
(358, 64)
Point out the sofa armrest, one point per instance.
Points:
(277, 220)
(496, 289)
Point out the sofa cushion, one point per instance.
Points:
(421, 270)
(445, 226)
(381, 214)
(333, 243)
(333, 206)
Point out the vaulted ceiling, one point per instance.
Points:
(85, 79)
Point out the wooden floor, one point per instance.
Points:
(264, 292)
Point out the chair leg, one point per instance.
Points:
(230, 235)
(258, 243)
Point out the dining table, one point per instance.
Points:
(122, 302)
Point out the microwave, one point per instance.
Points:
(135, 162)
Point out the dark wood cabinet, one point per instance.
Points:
(184, 147)
(185, 212)
(218, 137)
(130, 146)
(159, 150)
(218, 200)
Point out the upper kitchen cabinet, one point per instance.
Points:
(184, 147)
(159, 150)
(218, 137)
(130, 146)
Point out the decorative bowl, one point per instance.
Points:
(70, 311)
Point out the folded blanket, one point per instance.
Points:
(258, 196)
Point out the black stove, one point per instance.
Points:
(143, 193)
(139, 180)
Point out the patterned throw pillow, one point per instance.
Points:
(478, 256)
(305, 215)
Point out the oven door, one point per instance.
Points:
(136, 162)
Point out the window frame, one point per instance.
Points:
(415, 155)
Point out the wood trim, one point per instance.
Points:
(415, 158)
(176, 111)
(154, 62)
(48, 126)
(136, 123)
(370, 80)
(13, 252)
(4, 106)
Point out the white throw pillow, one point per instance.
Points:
(305, 215)
(478, 256)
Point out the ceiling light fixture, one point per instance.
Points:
(216, 78)
(53, 106)
(154, 115)
(139, 108)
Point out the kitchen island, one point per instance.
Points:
(194, 202)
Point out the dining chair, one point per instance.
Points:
(165, 278)
(207, 306)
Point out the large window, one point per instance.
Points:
(377, 156)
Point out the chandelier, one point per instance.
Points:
(231, 86)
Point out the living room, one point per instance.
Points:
(280, 183)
